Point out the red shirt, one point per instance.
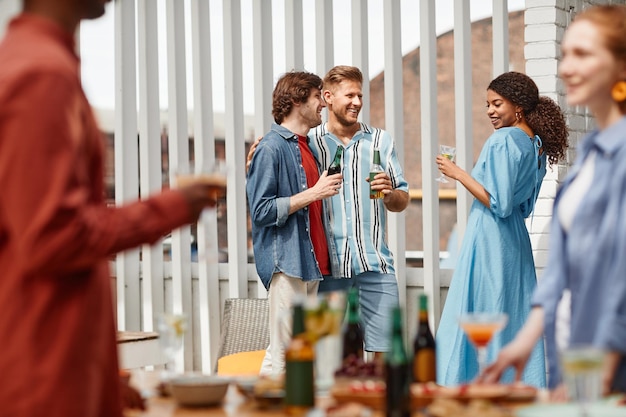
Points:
(58, 350)
(318, 235)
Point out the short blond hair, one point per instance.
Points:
(341, 73)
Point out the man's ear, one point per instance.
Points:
(327, 94)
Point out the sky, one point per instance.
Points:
(97, 43)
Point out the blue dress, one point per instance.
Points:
(495, 271)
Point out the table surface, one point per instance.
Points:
(234, 404)
(128, 337)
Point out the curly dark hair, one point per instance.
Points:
(293, 87)
(543, 115)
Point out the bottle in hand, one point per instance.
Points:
(376, 168)
(353, 333)
(335, 166)
(397, 371)
(424, 362)
(299, 358)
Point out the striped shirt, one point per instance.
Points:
(359, 224)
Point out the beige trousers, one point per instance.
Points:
(283, 291)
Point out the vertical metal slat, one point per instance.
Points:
(126, 165)
(430, 142)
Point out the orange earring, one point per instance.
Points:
(619, 91)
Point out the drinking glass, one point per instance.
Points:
(171, 329)
(480, 328)
(582, 372)
(446, 152)
(213, 174)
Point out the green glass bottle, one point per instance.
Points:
(376, 168)
(299, 358)
(397, 371)
(424, 363)
(353, 333)
(335, 166)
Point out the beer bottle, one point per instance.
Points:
(353, 333)
(299, 358)
(335, 166)
(375, 169)
(397, 371)
(424, 363)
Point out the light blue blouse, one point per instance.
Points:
(590, 259)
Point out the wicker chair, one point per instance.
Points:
(244, 326)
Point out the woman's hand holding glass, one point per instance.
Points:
(445, 162)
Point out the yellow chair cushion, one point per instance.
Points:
(241, 363)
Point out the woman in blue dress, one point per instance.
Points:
(495, 271)
(588, 232)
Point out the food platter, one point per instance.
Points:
(424, 394)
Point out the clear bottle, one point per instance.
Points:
(397, 371)
(353, 333)
(299, 359)
(424, 362)
(376, 168)
(335, 166)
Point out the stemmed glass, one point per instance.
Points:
(582, 372)
(480, 328)
(171, 328)
(446, 152)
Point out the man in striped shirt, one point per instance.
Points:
(358, 223)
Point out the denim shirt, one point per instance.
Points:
(590, 259)
(281, 241)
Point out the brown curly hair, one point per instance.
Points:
(543, 115)
(293, 87)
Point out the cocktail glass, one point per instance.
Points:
(480, 328)
(582, 372)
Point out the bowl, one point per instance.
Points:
(246, 384)
(198, 390)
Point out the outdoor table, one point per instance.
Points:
(234, 404)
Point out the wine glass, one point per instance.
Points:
(171, 328)
(582, 373)
(446, 152)
(480, 328)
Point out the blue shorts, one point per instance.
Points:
(378, 294)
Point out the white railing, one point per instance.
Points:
(202, 300)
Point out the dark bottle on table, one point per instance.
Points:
(397, 371)
(353, 333)
(375, 169)
(335, 166)
(424, 362)
(299, 358)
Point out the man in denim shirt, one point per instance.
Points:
(292, 248)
